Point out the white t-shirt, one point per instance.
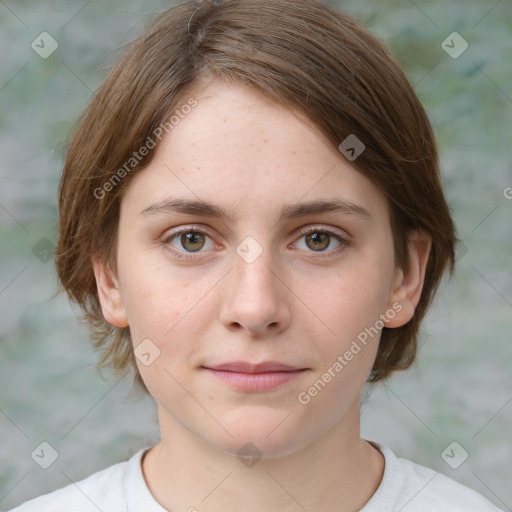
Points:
(405, 487)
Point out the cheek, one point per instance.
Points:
(349, 305)
(348, 337)
(349, 301)
(154, 296)
(171, 313)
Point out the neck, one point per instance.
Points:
(337, 471)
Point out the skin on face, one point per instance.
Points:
(292, 304)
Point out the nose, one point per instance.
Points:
(256, 298)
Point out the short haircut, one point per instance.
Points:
(300, 54)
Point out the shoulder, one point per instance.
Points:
(412, 487)
(435, 490)
(102, 490)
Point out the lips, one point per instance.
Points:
(251, 377)
(245, 367)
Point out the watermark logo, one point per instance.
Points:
(44, 455)
(44, 45)
(249, 454)
(43, 250)
(352, 147)
(454, 455)
(249, 249)
(146, 352)
(454, 45)
(461, 250)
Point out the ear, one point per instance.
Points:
(407, 286)
(109, 293)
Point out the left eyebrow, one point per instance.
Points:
(293, 211)
(290, 211)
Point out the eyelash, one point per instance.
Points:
(344, 242)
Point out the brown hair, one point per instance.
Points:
(301, 54)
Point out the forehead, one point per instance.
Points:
(238, 150)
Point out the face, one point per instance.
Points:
(269, 281)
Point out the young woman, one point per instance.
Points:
(252, 219)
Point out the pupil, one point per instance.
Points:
(191, 238)
(316, 238)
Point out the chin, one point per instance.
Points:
(262, 435)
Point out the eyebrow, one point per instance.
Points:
(289, 211)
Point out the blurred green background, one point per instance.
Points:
(461, 387)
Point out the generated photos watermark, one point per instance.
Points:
(137, 156)
(304, 397)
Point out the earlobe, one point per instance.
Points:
(109, 294)
(408, 285)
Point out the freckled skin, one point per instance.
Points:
(289, 305)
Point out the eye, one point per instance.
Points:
(318, 239)
(187, 241)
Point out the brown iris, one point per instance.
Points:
(320, 240)
(192, 241)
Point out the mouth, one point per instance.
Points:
(255, 377)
